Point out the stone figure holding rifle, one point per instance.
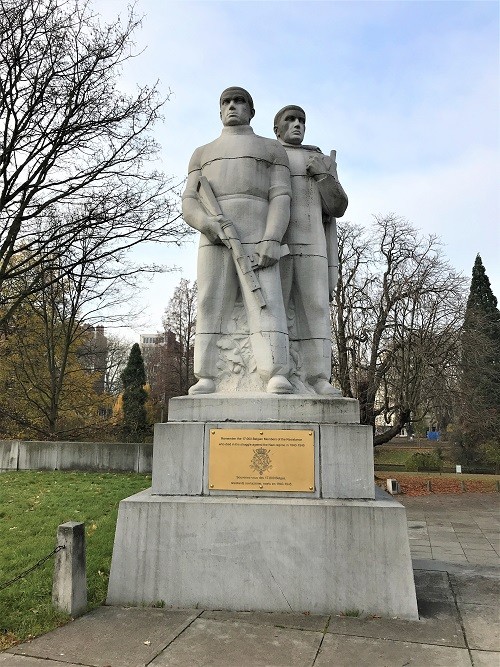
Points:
(310, 271)
(238, 196)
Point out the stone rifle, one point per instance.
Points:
(231, 240)
(332, 244)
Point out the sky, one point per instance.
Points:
(406, 91)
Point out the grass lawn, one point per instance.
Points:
(391, 456)
(399, 455)
(32, 505)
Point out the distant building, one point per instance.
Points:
(162, 360)
(147, 341)
(158, 344)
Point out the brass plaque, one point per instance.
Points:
(253, 460)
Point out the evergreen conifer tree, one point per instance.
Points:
(135, 426)
(480, 369)
(481, 298)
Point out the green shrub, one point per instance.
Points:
(426, 461)
(491, 453)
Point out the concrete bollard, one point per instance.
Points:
(393, 486)
(69, 590)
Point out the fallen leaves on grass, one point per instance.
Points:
(7, 640)
(418, 485)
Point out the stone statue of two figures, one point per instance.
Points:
(268, 256)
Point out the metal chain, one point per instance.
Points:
(33, 567)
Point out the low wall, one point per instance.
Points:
(39, 455)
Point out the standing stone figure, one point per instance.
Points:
(238, 196)
(309, 273)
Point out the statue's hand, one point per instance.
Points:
(269, 252)
(213, 230)
(316, 165)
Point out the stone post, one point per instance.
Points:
(69, 590)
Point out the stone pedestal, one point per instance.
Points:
(332, 549)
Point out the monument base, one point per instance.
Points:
(328, 546)
(266, 554)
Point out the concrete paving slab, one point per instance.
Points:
(210, 643)
(451, 542)
(476, 589)
(482, 627)
(469, 537)
(304, 621)
(439, 624)
(342, 651)
(489, 522)
(421, 552)
(492, 537)
(455, 568)
(485, 658)
(420, 547)
(475, 543)
(128, 637)
(448, 547)
(420, 555)
(418, 534)
(415, 527)
(486, 553)
(448, 555)
(451, 545)
(484, 539)
(455, 559)
(467, 531)
(481, 558)
(9, 660)
(432, 586)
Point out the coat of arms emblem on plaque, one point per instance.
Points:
(261, 461)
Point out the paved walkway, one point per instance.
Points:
(455, 544)
(460, 529)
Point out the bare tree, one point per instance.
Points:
(76, 153)
(180, 320)
(117, 351)
(396, 322)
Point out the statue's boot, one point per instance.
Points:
(324, 388)
(278, 384)
(203, 386)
